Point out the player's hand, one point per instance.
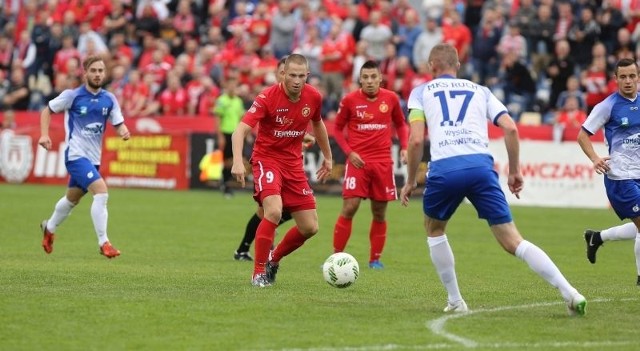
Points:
(238, 170)
(356, 160)
(325, 171)
(124, 133)
(308, 141)
(403, 156)
(406, 191)
(515, 183)
(601, 165)
(45, 142)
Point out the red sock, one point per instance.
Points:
(341, 233)
(264, 239)
(377, 236)
(291, 241)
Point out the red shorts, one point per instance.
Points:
(374, 181)
(270, 178)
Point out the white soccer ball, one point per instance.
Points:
(340, 270)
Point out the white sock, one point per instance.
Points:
(60, 212)
(99, 215)
(442, 258)
(636, 249)
(626, 231)
(540, 263)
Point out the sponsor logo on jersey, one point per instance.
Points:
(624, 121)
(632, 142)
(93, 129)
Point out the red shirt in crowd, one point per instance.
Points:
(174, 102)
(283, 123)
(370, 124)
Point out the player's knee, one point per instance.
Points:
(308, 231)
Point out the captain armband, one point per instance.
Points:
(416, 115)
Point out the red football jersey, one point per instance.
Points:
(370, 124)
(283, 123)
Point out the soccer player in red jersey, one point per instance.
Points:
(369, 114)
(283, 112)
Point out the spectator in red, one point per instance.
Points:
(365, 7)
(571, 116)
(333, 59)
(594, 82)
(260, 25)
(337, 8)
(58, 8)
(137, 96)
(264, 73)
(96, 12)
(456, 33)
(157, 69)
(399, 10)
(174, 98)
(200, 84)
(400, 78)
(120, 51)
(184, 22)
(245, 63)
(25, 18)
(208, 97)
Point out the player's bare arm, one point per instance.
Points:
(512, 143)
(414, 156)
(322, 138)
(600, 164)
(123, 131)
(356, 160)
(45, 121)
(237, 142)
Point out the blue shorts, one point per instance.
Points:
(445, 191)
(82, 173)
(624, 196)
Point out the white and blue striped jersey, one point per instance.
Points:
(456, 112)
(620, 118)
(85, 118)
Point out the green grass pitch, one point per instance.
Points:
(176, 286)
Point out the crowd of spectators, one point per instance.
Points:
(170, 57)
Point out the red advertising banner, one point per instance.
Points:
(157, 155)
(146, 161)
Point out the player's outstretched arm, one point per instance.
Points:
(322, 138)
(45, 121)
(414, 156)
(512, 143)
(237, 143)
(123, 131)
(600, 164)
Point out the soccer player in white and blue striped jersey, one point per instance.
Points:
(87, 110)
(619, 115)
(456, 113)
